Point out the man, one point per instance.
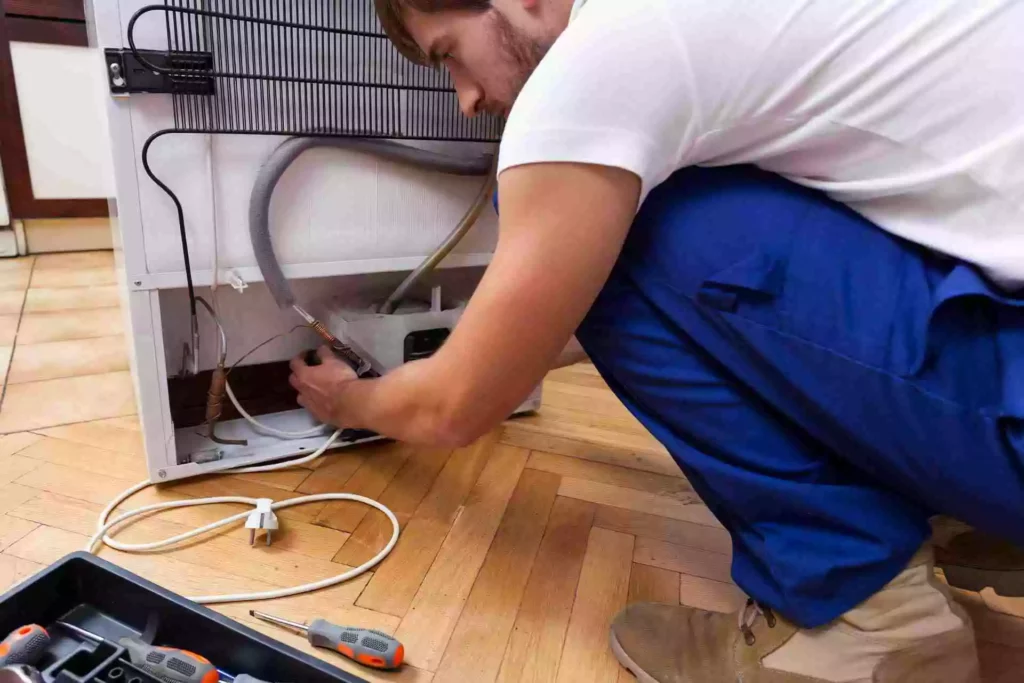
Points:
(826, 385)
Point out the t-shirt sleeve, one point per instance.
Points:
(614, 90)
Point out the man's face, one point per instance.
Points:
(488, 57)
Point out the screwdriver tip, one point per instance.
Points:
(252, 537)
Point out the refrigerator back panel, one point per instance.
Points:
(282, 69)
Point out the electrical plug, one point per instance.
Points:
(262, 517)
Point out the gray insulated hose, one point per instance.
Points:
(283, 157)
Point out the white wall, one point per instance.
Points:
(62, 95)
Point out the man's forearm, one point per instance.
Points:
(406, 405)
(411, 404)
(563, 227)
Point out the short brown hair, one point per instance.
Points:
(391, 19)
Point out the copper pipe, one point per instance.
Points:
(215, 407)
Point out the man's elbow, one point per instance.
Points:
(458, 432)
(457, 427)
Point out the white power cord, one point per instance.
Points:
(264, 429)
(104, 527)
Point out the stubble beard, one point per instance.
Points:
(523, 53)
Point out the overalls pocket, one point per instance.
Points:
(811, 269)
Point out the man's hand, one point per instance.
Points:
(321, 386)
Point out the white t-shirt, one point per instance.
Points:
(909, 111)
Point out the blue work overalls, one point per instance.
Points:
(825, 386)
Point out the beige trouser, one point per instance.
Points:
(913, 606)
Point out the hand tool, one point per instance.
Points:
(24, 645)
(170, 664)
(20, 673)
(359, 365)
(166, 663)
(370, 648)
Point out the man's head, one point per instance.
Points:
(490, 47)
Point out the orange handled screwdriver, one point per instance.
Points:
(169, 663)
(164, 663)
(24, 645)
(375, 649)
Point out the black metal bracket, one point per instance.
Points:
(424, 343)
(126, 74)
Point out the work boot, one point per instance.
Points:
(974, 561)
(909, 632)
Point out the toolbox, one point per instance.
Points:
(106, 600)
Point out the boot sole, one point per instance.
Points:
(1009, 584)
(626, 661)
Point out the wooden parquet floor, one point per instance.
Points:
(515, 552)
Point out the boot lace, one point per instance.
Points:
(748, 616)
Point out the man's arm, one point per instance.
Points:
(562, 228)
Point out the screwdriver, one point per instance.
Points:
(370, 648)
(24, 645)
(165, 663)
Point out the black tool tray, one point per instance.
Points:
(102, 598)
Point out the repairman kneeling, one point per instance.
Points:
(832, 359)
